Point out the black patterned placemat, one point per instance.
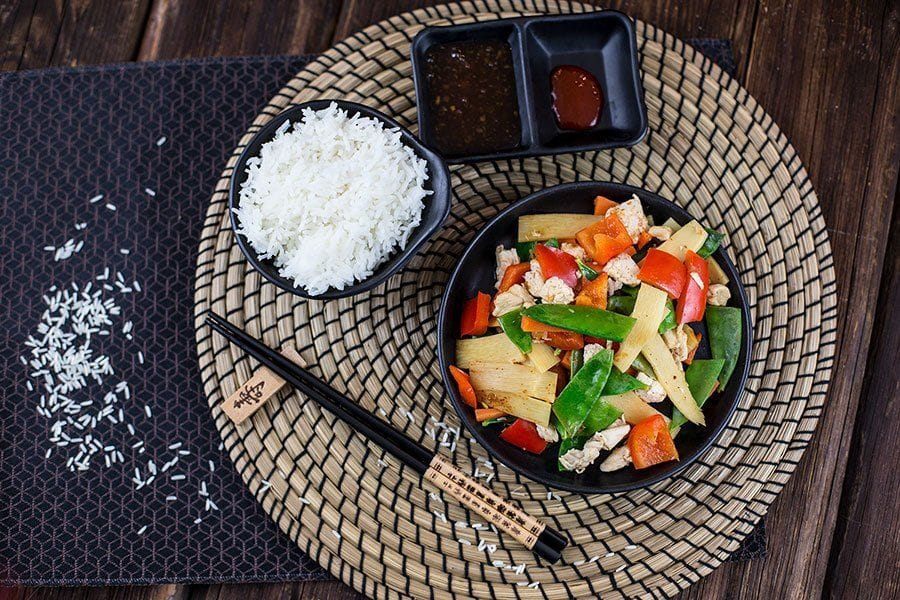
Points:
(151, 139)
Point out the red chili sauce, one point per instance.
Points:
(577, 99)
(472, 97)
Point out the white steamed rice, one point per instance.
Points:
(331, 198)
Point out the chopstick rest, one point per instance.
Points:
(256, 391)
(542, 540)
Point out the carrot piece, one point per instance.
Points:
(567, 360)
(630, 251)
(529, 325)
(465, 386)
(643, 239)
(564, 340)
(594, 293)
(603, 204)
(513, 274)
(483, 414)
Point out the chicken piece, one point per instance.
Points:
(612, 286)
(718, 294)
(660, 232)
(617, 459)
(580, 459)
(534, 279)
(576, 251)
(512, 299)
(614, 434)
(591, 350)
(623, 269)
(505, 258)
(677, 342)
(655, 392)
(548, 434)
(631, 213)
(555, 291)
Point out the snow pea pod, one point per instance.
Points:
(619, 383)
(711, 244)
(701, 376)
(578, 397)
(724, 325)
(511, 324)
(582, 319)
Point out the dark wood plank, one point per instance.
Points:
(865, 555)
(185, 28)
(81, 32)
(15, 21)
(698, 18)
(313, 590)
(836, 96)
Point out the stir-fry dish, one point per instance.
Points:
(589, 343)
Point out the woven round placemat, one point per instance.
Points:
(372, 522)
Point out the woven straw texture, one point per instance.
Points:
(373, 523)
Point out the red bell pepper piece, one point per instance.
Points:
(605, 239)
(650, 443)
(594, 293)
(475, 316)
(603, 204)
(512, 275)
(692, 304)
(523, 434)
(564, 340)
(465, 386)
(556, 263)
(664, 271)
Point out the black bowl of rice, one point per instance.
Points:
(331, 198)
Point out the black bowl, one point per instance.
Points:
(475, 272)
(437, 205)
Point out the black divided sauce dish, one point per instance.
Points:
(475, 272)
(436, 209)
(602, 43)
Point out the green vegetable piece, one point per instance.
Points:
(525, 250)
(624, 305)
(619, 383)
(496, 421)
(701, 376)
(583, 319)
(511, 324)
(576, 361)
(724, 325)
(589, 273)
(668, 321)
(712, 243)
(640, 363)
(552, 243)
(578, 397)
(600, 417)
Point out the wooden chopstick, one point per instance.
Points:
(544, 541)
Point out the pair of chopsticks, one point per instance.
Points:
(544, 541)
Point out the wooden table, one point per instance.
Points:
(827, 71)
